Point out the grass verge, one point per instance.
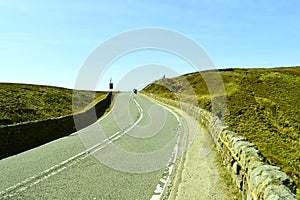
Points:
(261, 104)
(26, 102)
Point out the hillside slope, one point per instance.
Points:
(261, 104)
(25, 102)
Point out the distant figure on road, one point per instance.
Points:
(135, 91)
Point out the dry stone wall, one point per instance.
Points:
(24, 136)
(250, 171)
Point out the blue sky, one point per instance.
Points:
(46, 42)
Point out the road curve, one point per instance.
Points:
(127, 154)
(135, 125)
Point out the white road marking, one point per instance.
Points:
(29, 182)
(158, 192)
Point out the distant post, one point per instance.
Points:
(111, 85)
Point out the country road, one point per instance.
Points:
(130, 153)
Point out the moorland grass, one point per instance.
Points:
(262, 104)
(26, 102)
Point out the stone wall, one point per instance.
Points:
(20, 137)
(250, 171)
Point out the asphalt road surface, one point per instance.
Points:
(127, 154)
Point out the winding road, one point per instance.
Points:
(136, 151)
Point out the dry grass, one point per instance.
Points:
(24, 102)
(261, 104)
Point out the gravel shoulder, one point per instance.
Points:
(199, 173)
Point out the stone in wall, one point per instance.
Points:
(263, 176)
(278, 192)
(248, 168)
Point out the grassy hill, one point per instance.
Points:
(262, 104)
(25, 102)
